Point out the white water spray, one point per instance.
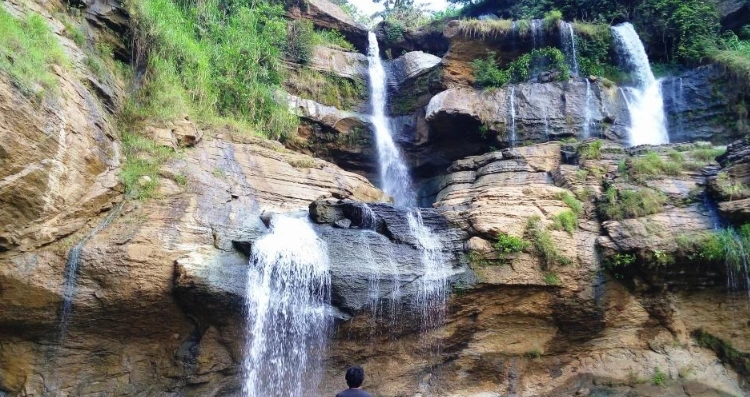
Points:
(431, 298)
(645, 102)
(394, 174)
(568, 40)
(288, 289)
(587, 111)
(512, 112)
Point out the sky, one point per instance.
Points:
(368, 7)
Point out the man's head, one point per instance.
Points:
(355, 376)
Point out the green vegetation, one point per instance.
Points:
(658, 378)
(566, 220)
(726, 246)
(630, 203)
(72, 29)
(144, 157)
(28, 50)
(734, 54)
(300, 41)
(551, 278)
(572, 202)
(706, 153)
(213, 61)
(510, 244)
(619, 260)
(651, 164)
(551, 18)
(591, 150)
(488, 74)
(533, 354)
(326, 88)
(543, 244)
(729, 187)
(333, 39)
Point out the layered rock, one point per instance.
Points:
(325, 14)
(729, 186)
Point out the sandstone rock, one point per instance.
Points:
(327, 15)
(410, 66)
(349, 65)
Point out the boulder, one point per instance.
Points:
(327, 15)
(410, 66)
(350, 65)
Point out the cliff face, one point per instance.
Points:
(158, 306)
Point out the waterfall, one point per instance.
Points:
(394, 174)
(537, 34)
(71, 269)
(678, 98)
(431, 298)
(568, 41)
(512, 112)
(288, 289)
(545, 112)
(587, 112)
(645, 102)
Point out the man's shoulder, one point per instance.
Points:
(354, 393)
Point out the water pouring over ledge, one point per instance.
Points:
(645, 102)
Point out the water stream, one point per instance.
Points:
(568, 41)
(288, 292)
(394, 173)
(587, 111)
(645, 102)
(73, 264)
(512, 113)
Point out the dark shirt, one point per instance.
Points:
(353, 393)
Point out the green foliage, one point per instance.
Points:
(543, 244)
(326, 88)
(551, 18)
(488, 74)
(706, 154)
(619, 260)
(551, 278)
(572, 202)
(724, 350)
(28, 50)
(212, 60)
(144, 157)
(72, 30)
(509, 244)
(651, 164)
(566, 220)
(734, 54)
(631, 203)
(591, 150)
(534, 354)
(332, 38)
(658, 378)
(394, 31)
(729, 187)
(300, 41)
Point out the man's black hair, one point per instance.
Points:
(355, 376)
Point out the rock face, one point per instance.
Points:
(701, 105)
(327, 15)
(734, 13)
(540, 111)
(730, 184)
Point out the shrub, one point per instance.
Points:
(706, 154)
(729, 187)
(591, 150)
(566, 220)
(658, 378)
(28, 49)
(623, 204)
(332, 38)
(572, 202)
(144, 157)
(551, 18)
(551, 278)
(300, 41)
(619, 260)
(543, 244)
(211, 60)
(488, 74)
(651, 164)
(509, 244)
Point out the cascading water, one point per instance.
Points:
(394, 174)
(71, 269)
(512, 112)
(678, 98)
(537, 34)
(568, 40)
(433, 283)
(587, 111)
(645, 102)
(288, 290)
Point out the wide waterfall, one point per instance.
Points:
(288, 290)
(645, 102)
(568, 41)
(394, 174)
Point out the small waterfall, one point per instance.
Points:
(645, 102)
(72, 265)
(288, 289)
(512, 112)
(545, 112)
(537, 33)
(394, 174)
(678, 98)
(431, 298)
(568, 40)
(587, 111)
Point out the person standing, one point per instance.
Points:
(354, 378)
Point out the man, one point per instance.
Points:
(354, 378)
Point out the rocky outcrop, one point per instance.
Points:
(345, 64)
(702, 105)
(410, 66)
(734, 13)
(396, 40)
(729, 186)
(324, 14)
(540, 112)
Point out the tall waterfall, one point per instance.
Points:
(394, 174)
(645, 102)
(288, 288)
(568, 40)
